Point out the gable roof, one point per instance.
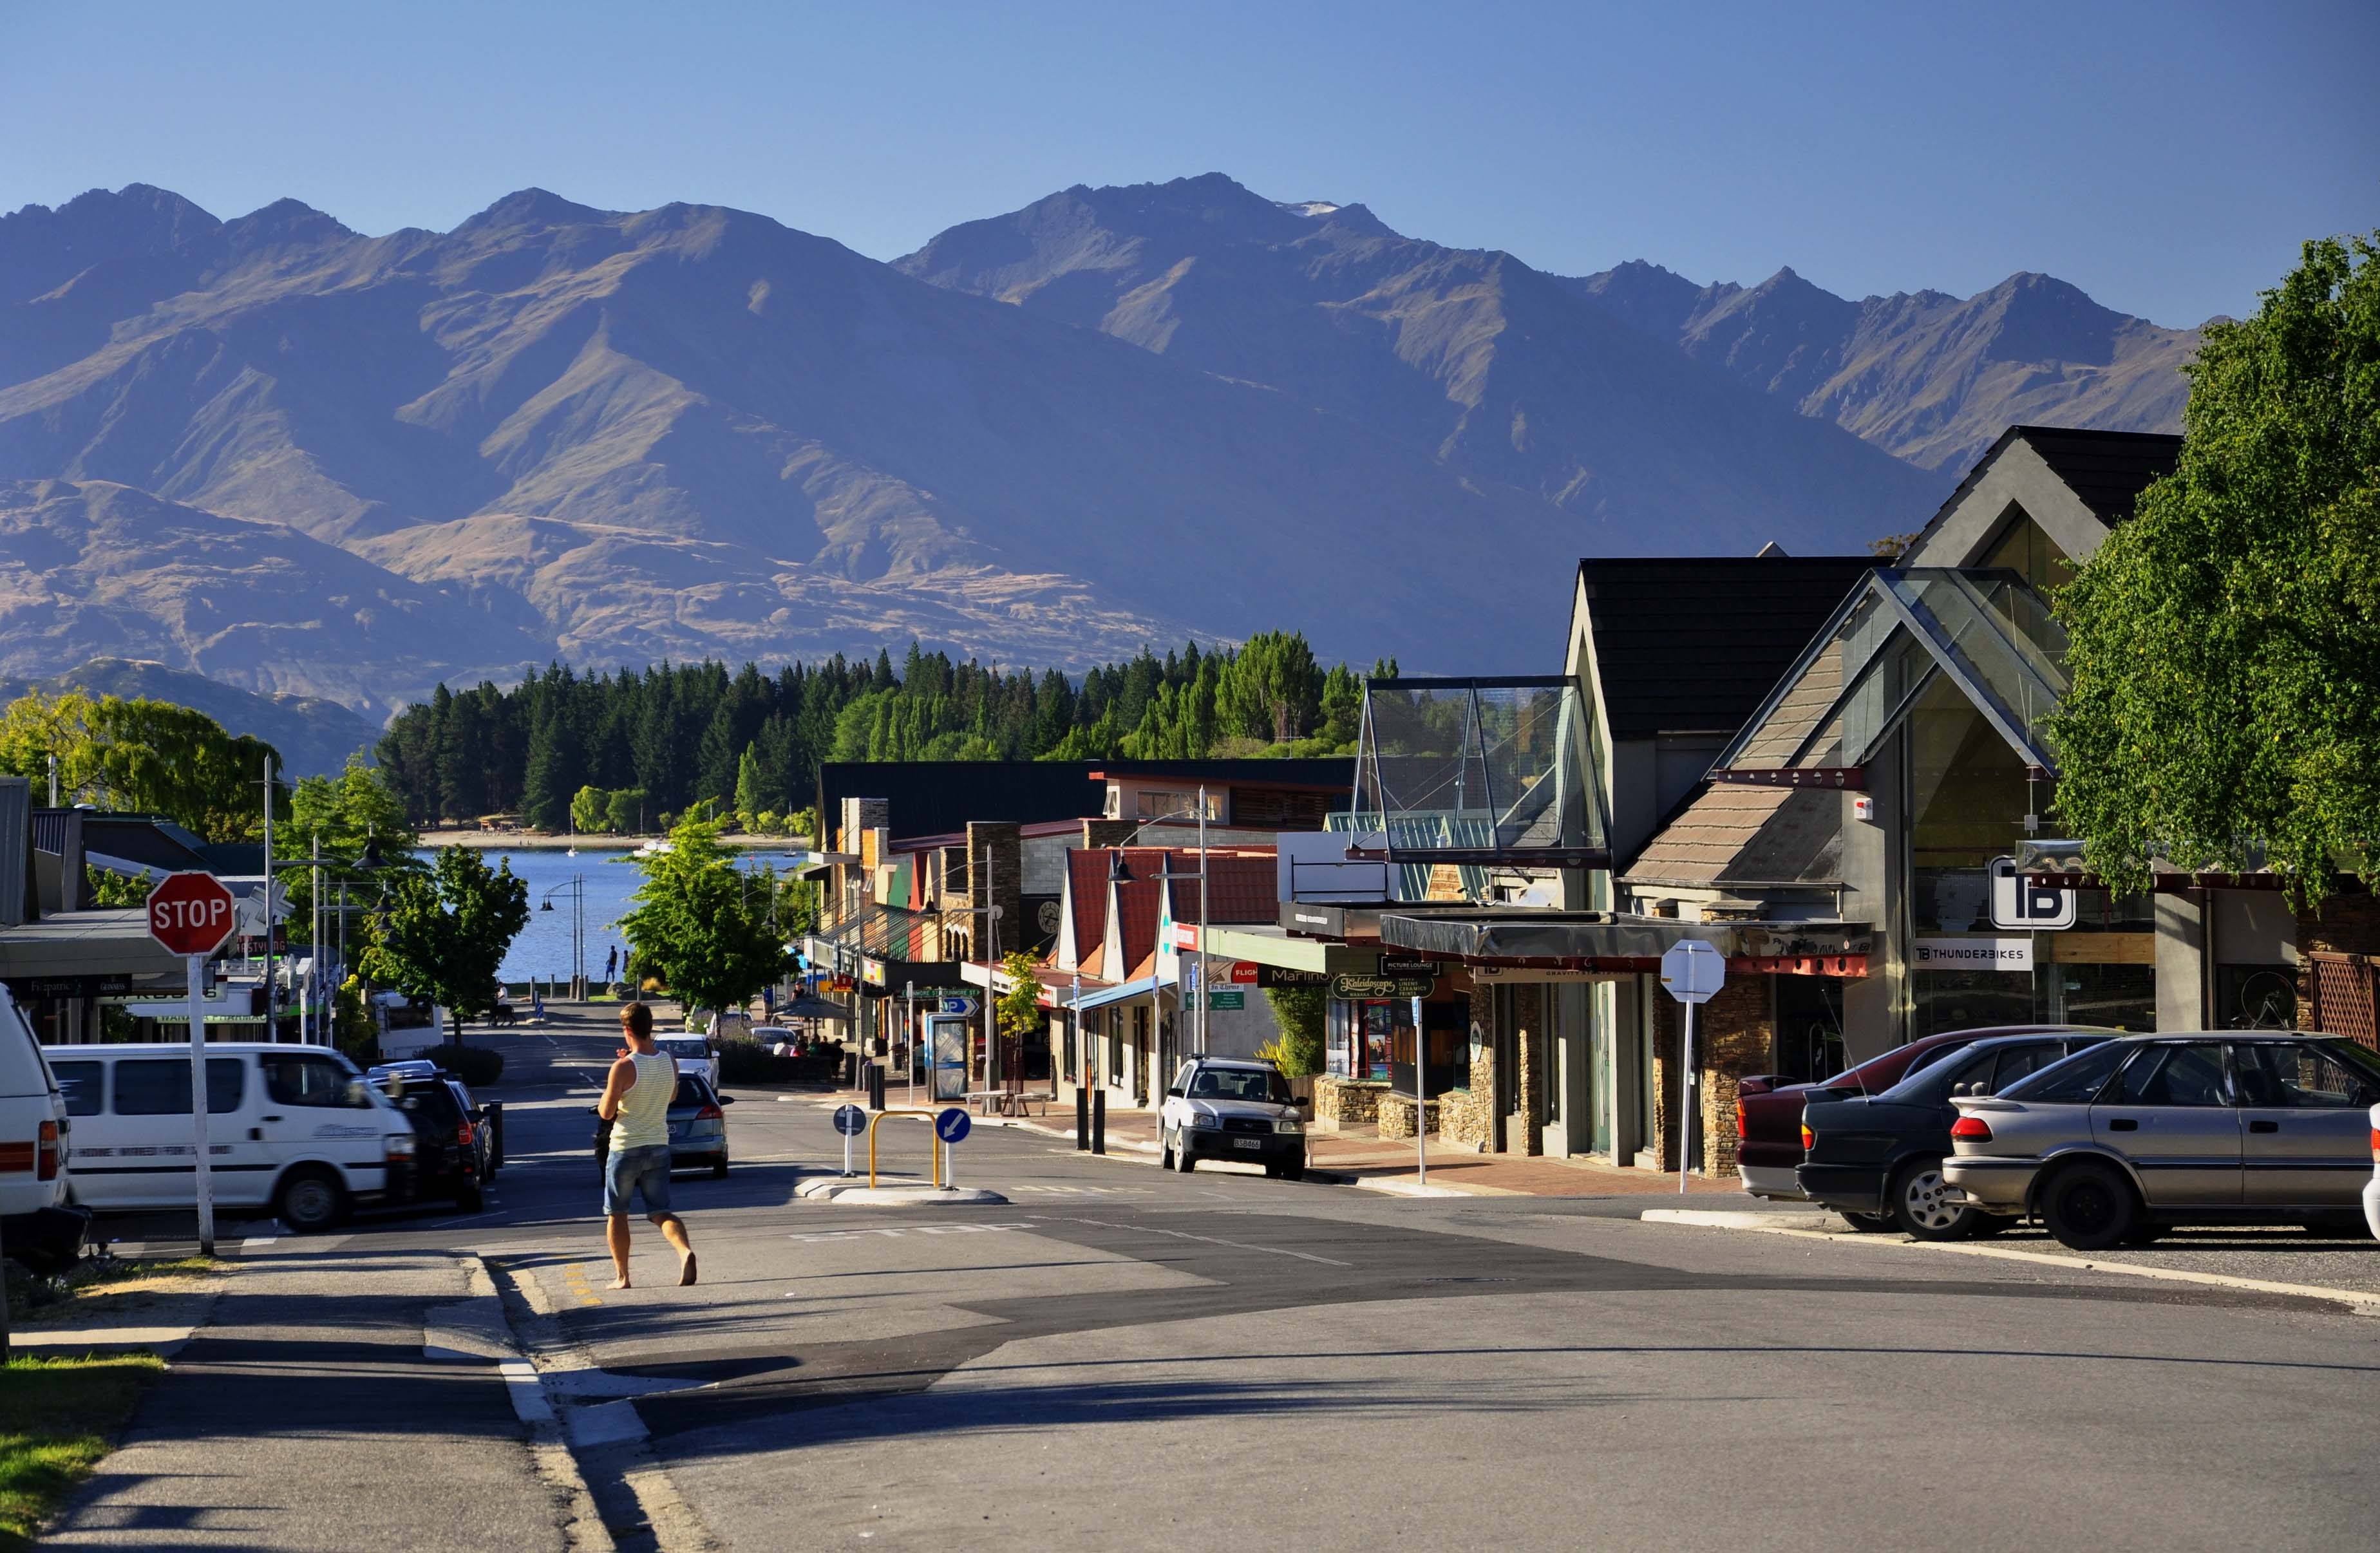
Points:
(1694, 643)
(2106, 470)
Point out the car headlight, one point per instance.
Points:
(1289, 1125)
(1204, 1122)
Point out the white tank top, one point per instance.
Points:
(643, 1122)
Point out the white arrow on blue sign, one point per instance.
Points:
(952, 1124)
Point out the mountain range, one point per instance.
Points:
(300, 459)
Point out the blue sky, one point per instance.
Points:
(2167, 158)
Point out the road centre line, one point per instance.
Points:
(1211, 1240)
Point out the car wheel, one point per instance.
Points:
(1165, 1150)
(1181, 1159)
(471, 1197)
(718, 1171)
(1870, 1223)
(310, 1200)
(1923, 1203)
(2089, 1207)
(1292, 1172)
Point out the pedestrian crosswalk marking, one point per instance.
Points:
(1085, 1191)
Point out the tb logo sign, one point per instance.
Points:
(2033, 907)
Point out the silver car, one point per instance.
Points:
(2224, 1127)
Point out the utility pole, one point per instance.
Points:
(991, 976)
(1205, 990)
(310, 1017)
(272, 993)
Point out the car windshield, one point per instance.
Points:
(1262, 1085)
(686, 1048)
(2076, 1081)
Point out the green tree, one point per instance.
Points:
(749, 797)
(140, 756)
(624, 812)
(1298, 1050)
(2224, 657)
(442, 931)
(553, 774)
(703, 925)
(590, 807)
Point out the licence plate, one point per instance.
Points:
(1247, 1143)
(677, 1129)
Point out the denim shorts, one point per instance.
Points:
(630, 1170)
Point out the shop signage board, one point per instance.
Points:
(1185, 935)
(1499, 975)
(2016, 902)
(1232, 1001)
(873, 972)
(1244, 973)
(1281, 976)
(1359, 988)
(1971, 954)
(1408, 966)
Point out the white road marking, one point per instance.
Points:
(1210, 1239)
(528, 1395)
(906, 1230)
(604, 1424)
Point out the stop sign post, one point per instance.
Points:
(1693, 972)
(191, 915)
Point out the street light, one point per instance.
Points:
(575, 888)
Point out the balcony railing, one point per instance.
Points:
(1484, 773)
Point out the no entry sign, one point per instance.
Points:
(190, 913)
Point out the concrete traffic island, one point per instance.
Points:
(857, 1192)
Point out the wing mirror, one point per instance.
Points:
(727, 1099)
(1174, 1094)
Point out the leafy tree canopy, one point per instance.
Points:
(703, 925)
(442, 932)
(141, 757)
(2225, 707)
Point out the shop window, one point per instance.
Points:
(1968, 1000)
(1809, 1027)
(1969, 798)
(2114, 997)
(2255, 996)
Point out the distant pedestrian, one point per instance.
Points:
(612, 964)
(636, 1102)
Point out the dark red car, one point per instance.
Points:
(1769, 1109)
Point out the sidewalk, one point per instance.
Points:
(339, 1397)
(1359, 1158)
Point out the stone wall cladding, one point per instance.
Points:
(1344, 1102)
(1397, 1116)
(1734, 1033)
(1529, 1020)
(1468, 1118)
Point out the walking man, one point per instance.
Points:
(636, 1103)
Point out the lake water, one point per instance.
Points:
(543, 950)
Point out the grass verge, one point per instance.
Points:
(58, 1417)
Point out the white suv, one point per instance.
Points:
(34, 1127)
(1219, 1109)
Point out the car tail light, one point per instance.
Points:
(463, 1135)
(1973, 1129)
(1742, 1128)
(1809, 1138)
(2375, 1146)
(711, 1114)
(46, 1152)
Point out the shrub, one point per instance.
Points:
(474, 1065)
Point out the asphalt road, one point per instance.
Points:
(1123, 1357)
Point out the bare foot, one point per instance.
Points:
(617, 1283)
(686, 1270)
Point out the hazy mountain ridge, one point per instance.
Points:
(1929, 377)
(301, 459)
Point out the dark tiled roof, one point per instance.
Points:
(2108, 470)
(1692, 644)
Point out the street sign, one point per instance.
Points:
(1693, 971)
(190, 913)
(850, 1120)
(963, 1004)
(1228, 1002)
(952, 1124)
(2021, 904)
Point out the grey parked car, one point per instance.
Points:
(2217, 1127)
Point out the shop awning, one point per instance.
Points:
(110, 942)
(1123, 991)
(1548, 937)
(814, 1008)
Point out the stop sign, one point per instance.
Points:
(190, 913)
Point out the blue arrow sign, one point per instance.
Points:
(850, 1120)
(953, 1125)
(961, 1004)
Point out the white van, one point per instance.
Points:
(33, 1141)
(292, 1128)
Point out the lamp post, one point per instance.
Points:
(575, 888)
